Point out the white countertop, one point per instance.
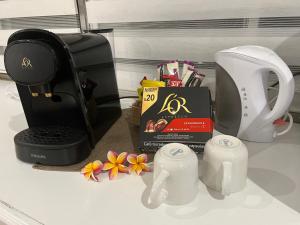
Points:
(29, 196)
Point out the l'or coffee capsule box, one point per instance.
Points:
(182, 115)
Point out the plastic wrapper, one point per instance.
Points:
(186, 66)
(192, 78)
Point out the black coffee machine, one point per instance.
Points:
(68, 90)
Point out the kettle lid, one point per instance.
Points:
(255, 52)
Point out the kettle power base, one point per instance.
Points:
(54, 145)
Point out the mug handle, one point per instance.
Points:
(227, 178)
(157, 193)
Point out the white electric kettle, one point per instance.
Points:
(242, 108)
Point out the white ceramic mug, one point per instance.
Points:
(225, 164)
(175, 175)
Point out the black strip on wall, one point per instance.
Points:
(46, 22)
(200, 65)
(274, 22)
(263, 22)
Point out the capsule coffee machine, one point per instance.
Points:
(68, 89)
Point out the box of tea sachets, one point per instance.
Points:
(175, 114)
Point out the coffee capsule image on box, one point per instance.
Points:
(160, 125)
(149, 126)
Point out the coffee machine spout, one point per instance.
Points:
(41, 90)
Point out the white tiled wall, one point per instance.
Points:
(108, 11)
(132, 38)
(137, 41)
(4, 34)
(31, 9)
(26, 8)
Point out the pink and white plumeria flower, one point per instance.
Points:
(138, 163)
(115, 164)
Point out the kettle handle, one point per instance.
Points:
(157, 193)
(286, 91)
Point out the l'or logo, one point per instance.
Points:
(26, 64)
(173, 104)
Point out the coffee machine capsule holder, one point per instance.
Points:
(68, 90)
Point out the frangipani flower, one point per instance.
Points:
(115, 164)
(92, 169)
(138, 163)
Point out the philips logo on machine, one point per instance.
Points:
(26, 63)
(37, 156)
(173, 104)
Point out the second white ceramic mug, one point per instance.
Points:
(225, 164)
(175, 175)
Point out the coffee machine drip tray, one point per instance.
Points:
(53, 145)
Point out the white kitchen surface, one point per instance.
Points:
(30, 196)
